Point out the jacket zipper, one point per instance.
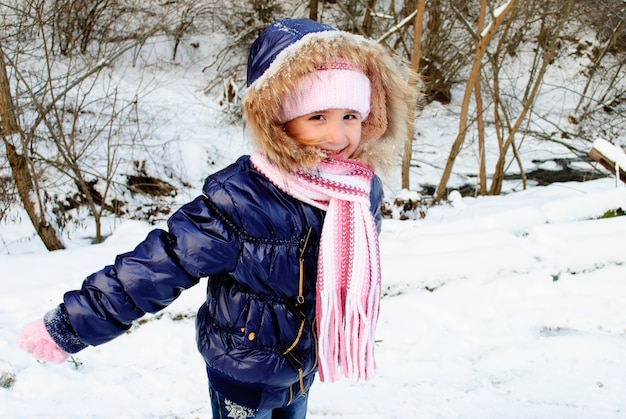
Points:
(293, 361)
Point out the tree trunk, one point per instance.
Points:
(480, 122)
(24, 185)
(313, 9)
(8, 122)
(413, 78)
(367, 16)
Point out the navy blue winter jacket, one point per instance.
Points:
(256, 330)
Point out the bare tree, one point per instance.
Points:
(240, 21)
(56, 130)
(188, 17)
(607, 58)
(550, 31)
(21, 166)
(483, 41)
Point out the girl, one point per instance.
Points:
(287, 238)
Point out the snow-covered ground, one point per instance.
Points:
(507, 307)
(495, 307)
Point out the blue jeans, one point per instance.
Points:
(226, 409)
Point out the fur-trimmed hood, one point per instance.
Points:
(289, 49)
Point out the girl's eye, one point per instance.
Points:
(317, 117)
(351, 116)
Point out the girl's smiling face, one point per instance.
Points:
(336, 132)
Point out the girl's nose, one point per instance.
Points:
(336, 133)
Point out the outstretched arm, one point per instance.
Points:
(146, 279)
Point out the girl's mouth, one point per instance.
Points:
(334, 154)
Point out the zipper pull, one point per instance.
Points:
(293, 361)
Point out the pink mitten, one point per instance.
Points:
(35, 340)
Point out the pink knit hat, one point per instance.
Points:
(338, 86)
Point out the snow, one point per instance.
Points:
(506, 306)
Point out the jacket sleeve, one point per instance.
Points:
(146, 279)
(376, 198)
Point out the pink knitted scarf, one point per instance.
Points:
(348, 277)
